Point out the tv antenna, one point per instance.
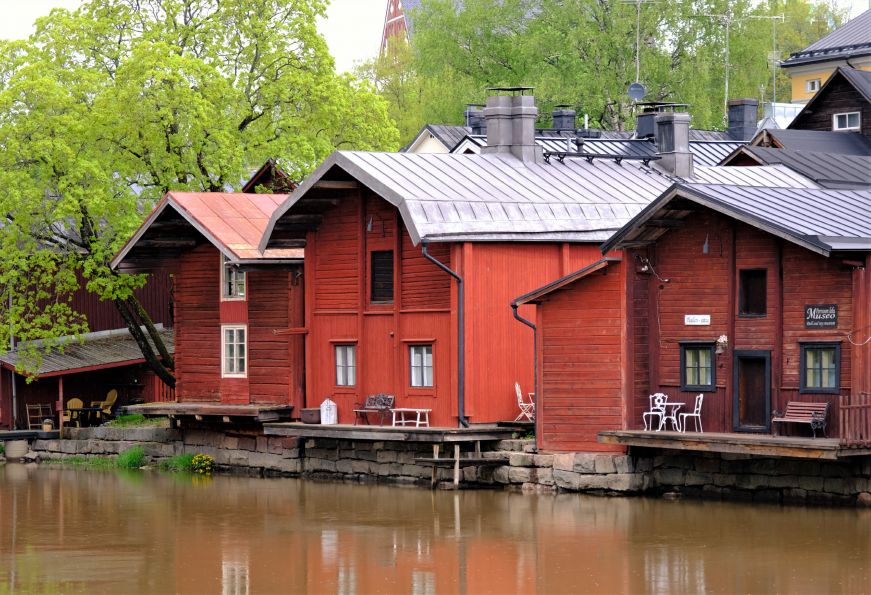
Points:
(636, 89)
(727, 19)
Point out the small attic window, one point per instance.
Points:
(846, 121)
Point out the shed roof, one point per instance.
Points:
(536, 295)
(232, 222)
(826, 169)
(90, 351)
(452, 197)
(820, 220)
(849, 40)
(820, 141)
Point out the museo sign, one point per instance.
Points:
(821, 316)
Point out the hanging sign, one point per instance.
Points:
(697, 319)
(821, 316)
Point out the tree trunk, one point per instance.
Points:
(134, 325)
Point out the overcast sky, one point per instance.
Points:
(352, 27)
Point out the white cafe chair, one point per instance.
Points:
(657, 410)
(527, 408)
(696, 415)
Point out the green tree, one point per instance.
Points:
(582, 52)
(105, 109)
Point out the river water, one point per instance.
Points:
(79, 531)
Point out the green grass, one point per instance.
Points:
(2, 448)
(178, 463)
(136, 420)
(132, 458)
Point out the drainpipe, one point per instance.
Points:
(530, 324)
(461, 336)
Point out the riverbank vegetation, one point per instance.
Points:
(137, 420)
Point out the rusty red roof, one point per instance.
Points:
(233, 222)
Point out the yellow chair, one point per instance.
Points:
(71, 417)
(107, 405)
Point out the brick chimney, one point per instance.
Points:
(510, 121)
(673, 143)
(743, 115)
(474, 118)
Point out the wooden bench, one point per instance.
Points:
(380, 404)
(813, 414)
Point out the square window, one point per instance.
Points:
(381, 277)
(346, 365)
(812, 86)
(820, 367)
(847, 121)
(752, 292)
(232, 281)
(697, 367)
(420, 359)
(233, 351)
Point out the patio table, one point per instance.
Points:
(671, 409)
(420, 418)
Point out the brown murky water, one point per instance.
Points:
(68, 531)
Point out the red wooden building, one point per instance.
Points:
(391, 240)
(236, 310)
(753, 297)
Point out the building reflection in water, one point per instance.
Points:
(79, 531)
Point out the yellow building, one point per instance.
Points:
(850, 45)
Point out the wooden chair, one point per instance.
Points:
(527, 408)
(657, 409)
(71, 417)
(36, 413)
(107, 405)
(696, 415)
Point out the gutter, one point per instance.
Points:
(461, 336)
(530, 324)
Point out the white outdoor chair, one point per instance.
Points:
(527, 408)
(657, 409)
(696, 415)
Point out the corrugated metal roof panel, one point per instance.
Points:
(851, 39)
(826, 169)
(103, 348)
(820, 141)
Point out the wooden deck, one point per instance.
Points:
(213, 411)
(761, 445)
(389, 433)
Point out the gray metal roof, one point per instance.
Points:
(455, 197)
(851, 39)
(705, 152)
(820, 220)
(860, 79)
(820, 141)
(104, 349)
(826, 169)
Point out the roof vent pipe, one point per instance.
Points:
(673, 143)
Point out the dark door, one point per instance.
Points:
(751, 391)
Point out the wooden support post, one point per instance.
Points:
(456, 465)
(435, 469)
(60, 405)
(477, 449)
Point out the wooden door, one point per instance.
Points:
(751, 391)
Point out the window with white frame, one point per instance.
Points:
(846, 121)
(812, 86)
(234, 351)
(420, 359)
(346, 365)
(232, 281)
(820, 368)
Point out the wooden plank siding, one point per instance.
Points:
(274, 361)
(582, 351)
(837, 98)
(701, 283)
(424, 311)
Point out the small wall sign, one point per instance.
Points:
(697, 320)
(821, 316)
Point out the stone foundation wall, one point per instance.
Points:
(696, 475)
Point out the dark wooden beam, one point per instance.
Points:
(307, 218)
(160, 243)
(277, 242)
(337, 184)
(667, 223)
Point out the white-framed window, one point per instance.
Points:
(420, 360)
(346, 365)
(812, 86)
(234, 351)
(232, 281)
(846, 121)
